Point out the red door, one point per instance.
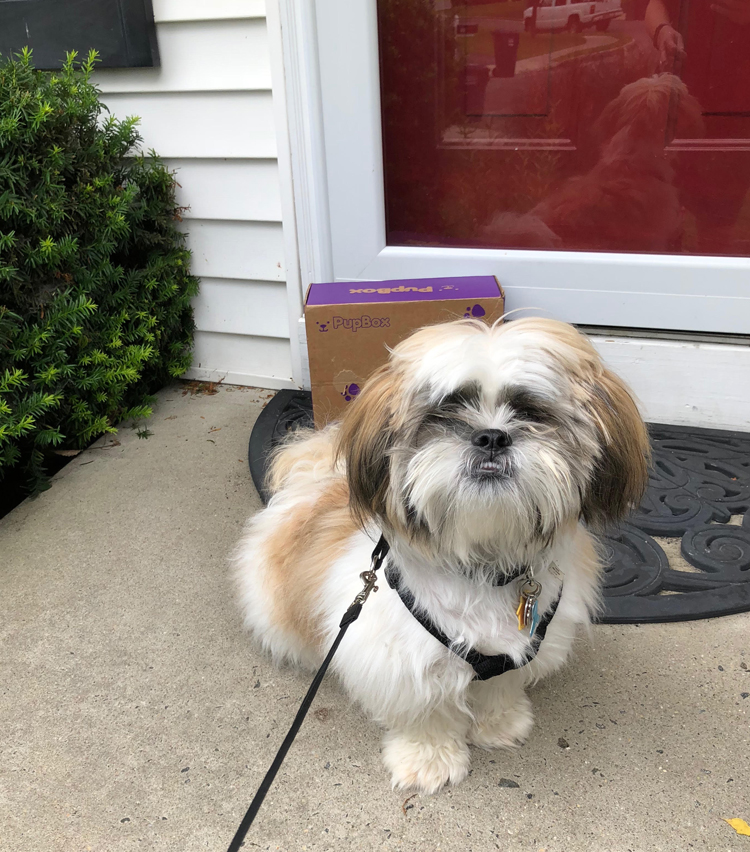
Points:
(616, 125)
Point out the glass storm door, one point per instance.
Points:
(594, 156)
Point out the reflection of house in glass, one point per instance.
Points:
(519, 42)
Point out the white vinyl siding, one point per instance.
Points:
(228, 305)
(204, 56)
(208, 112)
(234, 190)
(201, 124)
(252, 251)
(211, 10)
(269, 357)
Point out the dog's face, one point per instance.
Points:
(483, 443)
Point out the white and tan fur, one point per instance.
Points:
(402, 462)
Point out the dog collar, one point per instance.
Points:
(485, 666)
(503, 579)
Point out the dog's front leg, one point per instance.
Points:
(428, 754)
(502, 712)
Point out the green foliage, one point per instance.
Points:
(95, 285)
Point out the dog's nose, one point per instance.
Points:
(491, 440)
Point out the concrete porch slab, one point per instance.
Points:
(136, 714)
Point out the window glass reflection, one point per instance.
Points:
(612, 125)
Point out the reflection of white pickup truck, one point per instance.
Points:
(571, 15)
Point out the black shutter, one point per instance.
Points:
(123, 31)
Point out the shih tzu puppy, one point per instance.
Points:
(484, 455)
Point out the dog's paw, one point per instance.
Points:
(422, 765)
(503, 727)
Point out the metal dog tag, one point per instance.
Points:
(533, 620)
(527, 612)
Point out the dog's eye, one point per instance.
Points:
(529, 409)
(461, 398)
(531, 414)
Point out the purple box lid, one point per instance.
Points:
(404, 290)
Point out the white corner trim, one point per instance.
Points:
(280, 84)
(684, 383)
(294, 23)
(301, 159)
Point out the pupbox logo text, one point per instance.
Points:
(355, 323)
(386, 290)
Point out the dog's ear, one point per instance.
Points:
(621, 472)
(364, 440)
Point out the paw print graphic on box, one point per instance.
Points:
(350, 391)
(475, 311)
(348, 384)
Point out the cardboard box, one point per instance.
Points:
(350, 324)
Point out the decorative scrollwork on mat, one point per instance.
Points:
(698, 476)
(700, 479)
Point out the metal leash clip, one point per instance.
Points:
(369, 578)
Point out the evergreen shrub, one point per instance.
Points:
(95, 284)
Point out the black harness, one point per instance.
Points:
(485, 666)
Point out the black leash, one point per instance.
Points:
(351, 615)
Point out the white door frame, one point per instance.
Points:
(340, 233)
(591, 288)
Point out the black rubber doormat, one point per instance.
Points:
(696, 507)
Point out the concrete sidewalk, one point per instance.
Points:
(135, 714)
